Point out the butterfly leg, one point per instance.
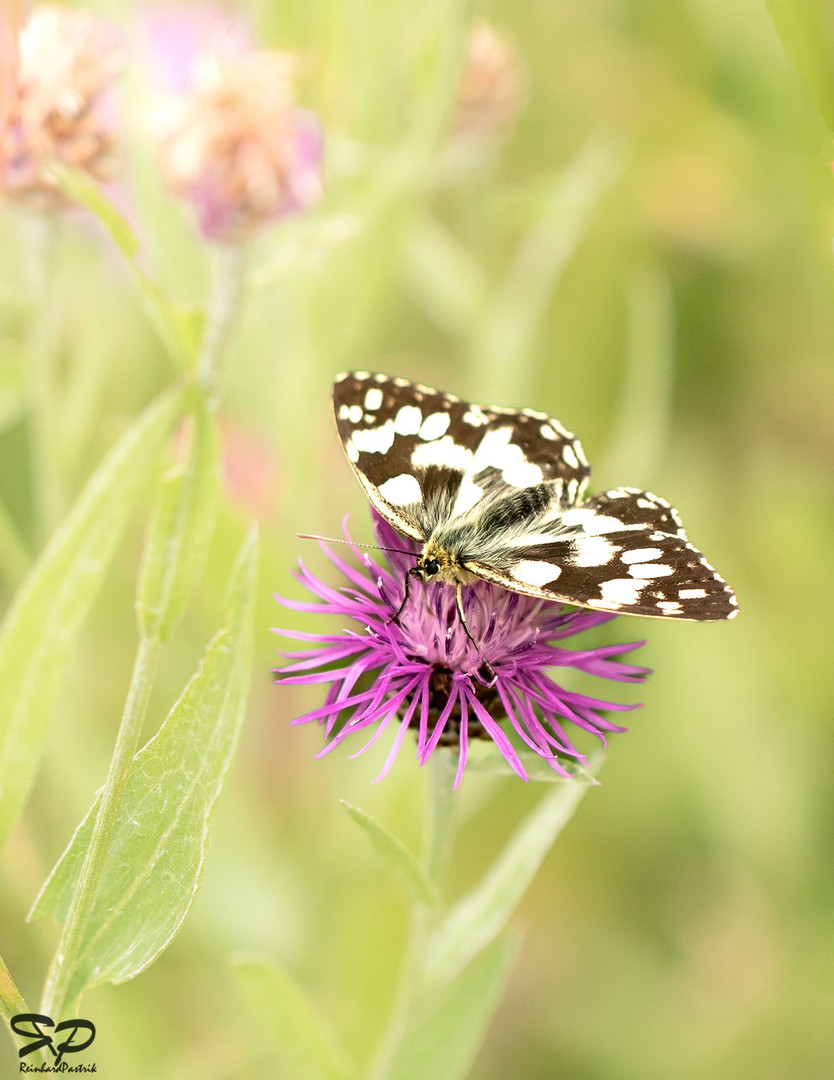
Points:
(413, 572)
(486, 669)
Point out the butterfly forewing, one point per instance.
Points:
(501, 491)
(427, 458)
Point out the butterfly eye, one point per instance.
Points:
(431, 567)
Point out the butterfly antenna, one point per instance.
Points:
(353, 543)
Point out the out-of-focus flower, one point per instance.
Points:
(493, 84)
(60, 105)
(250, 470)
(232, 140)
(421, 671)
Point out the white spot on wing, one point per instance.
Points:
(475, 417)
(622, 591)
(443, 452)
(495, 450)
(650, 570)
(374, 440)
(344, 412)
(641, 555)
(533, 572)
(408, 420)
(671, 606)
(593, 523)
(402, 490)
(469, 494)
(569, 456)
(692, 594)
(373, 399)
(355, 414)
(352, 452)
(547, 432)
(435, 425)
(593, 551)
(522, 473)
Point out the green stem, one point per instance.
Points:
(12, 1003)
(437, 843)
(11, 999)
(40, 274)
(222, 308)
(69, 950)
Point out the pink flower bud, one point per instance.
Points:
(59, 105)
(233, 141)
(493, 84)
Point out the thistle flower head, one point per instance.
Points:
(59, 105)
(421, 670)
(232, 140)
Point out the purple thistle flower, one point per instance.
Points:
(423, 672)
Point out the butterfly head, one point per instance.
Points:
(435, 563)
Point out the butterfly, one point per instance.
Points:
(499, 495)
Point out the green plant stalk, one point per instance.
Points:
(12, 1003)
(222, 309)
(11, 999)
(127, 743)
(438, 836)
(40, 275)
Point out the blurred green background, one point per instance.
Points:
(645, 253)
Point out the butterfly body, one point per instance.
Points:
(498, 495)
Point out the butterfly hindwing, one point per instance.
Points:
(622, 551)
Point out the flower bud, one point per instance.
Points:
(59, 105)
(236, 146)
(493, 84)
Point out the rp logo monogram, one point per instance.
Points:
(32, 1025)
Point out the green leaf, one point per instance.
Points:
(40, 627)
(806, 29)
(180, 533)
(411, 872)
(178, 326)
(479, 917)
(448, 1031)
(79, 186)
(158, 846)
(288, 1025)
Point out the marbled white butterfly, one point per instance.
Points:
(499, 495)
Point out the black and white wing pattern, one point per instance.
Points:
(501, 492)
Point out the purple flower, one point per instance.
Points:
(421, 671)
(231, 139)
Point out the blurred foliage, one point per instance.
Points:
(647, 256)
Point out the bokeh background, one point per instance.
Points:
(640, 245)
